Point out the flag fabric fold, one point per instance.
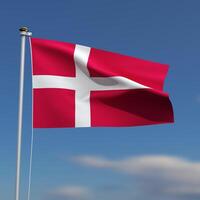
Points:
(79, 86)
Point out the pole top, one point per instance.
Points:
(24, 31)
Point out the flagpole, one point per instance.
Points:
(24, 32)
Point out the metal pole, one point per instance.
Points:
(23, 32)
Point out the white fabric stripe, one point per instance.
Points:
(82, 95)
(114, 83)
(95, 83)
(48, 81)
(81, 55)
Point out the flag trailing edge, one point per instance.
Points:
(79, 86)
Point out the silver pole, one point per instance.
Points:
(23, 32)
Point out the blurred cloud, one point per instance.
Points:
(198, 98)
(158, 177)
(70, 192)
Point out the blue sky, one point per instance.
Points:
(152, 162)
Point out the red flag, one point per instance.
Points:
(79, 86)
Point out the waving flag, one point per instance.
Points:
(79, 86)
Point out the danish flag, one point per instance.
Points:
(79, 86)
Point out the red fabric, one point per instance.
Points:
(130, 108)
(52, 58)
(55, 108)
(103, 64)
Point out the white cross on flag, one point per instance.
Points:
(79, 86)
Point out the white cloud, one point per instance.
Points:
(156, 175)
(93, 161)
(198, 98)
(71, 192)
